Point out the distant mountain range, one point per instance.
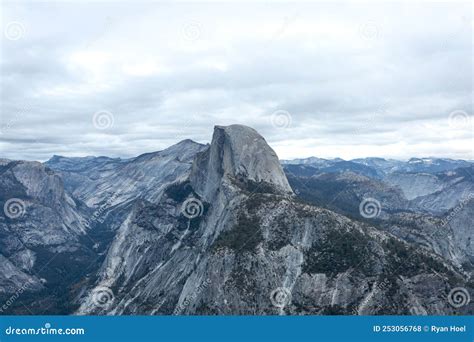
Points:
(380, 167)
(227, 228)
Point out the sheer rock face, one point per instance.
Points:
(461, 222)
(237, 151)
(251, 248)
(99, 180)
(415, 185)
(48, 214)
(68, 211)
(322, 261)
(14, 279)
(38, 217)
(216, 229)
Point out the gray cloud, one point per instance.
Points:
(357, 80)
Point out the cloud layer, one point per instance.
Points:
(340, 80)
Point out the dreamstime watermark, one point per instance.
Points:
(9, 125)
(191, 31)
(378, 287)
(98, 215)
(465, 22)
(281, 119)
(14, 30)
(19, 115)
(459, 119)
(105, 29)
(368, 123)
(457, 209)
(103, 119)
(370, 208)
(102, 296)
(14, 208)
(280, 297)
(369, 31)
(14, 297)
(288, 20)
(188, 300)
(46, 330)
(192, 208)
(458, 297)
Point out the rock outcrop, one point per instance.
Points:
(233, 239)
(237, 153)
(217, 229)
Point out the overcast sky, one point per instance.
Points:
(328, 80)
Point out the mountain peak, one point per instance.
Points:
(237, 151)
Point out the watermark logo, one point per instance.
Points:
(457, 209)
(102, 296)
(192, 208)
(370, 208)
(281, 119)
(280, 297)
(189, 300)
(459, 119)
(98, 215)
(191, 31)
(47, 329)
(14, 208)
(370, 121)
(14, 30)
(459, 297)
(14, 297)
(103, 119)
(369, 31)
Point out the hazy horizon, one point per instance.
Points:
(207, 143)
